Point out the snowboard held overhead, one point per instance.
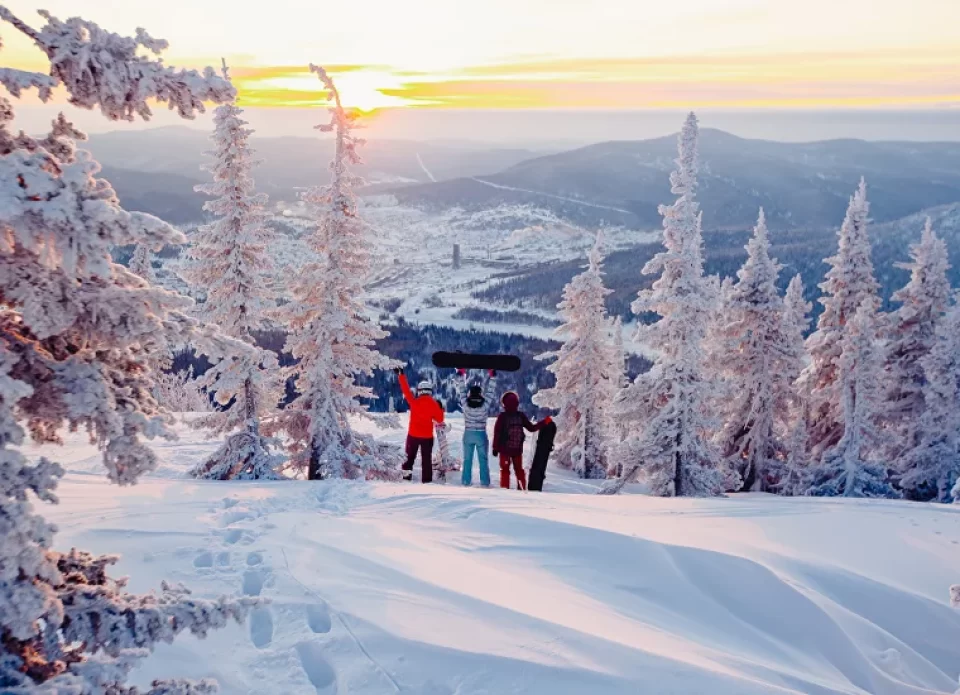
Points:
(464, 360)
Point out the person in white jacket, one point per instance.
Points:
(478, 404)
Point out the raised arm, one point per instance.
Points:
(405, 387)
(489, 391)
(460, 383)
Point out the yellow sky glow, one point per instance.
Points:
(611, 54)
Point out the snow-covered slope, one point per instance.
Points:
(442, 590)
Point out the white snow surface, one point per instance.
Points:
(381, 588)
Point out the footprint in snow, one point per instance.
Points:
(232, 536)
(253, 581)
(261, 627)
(254, 559)
(318, 618)
(204, 559)
(316, 667)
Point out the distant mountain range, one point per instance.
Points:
(165, 164)
(800, 185)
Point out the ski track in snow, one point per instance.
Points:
(551, 195)
(442, 590)
(424, 167)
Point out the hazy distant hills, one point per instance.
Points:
(799, 251)
(798, 184)
(286, 163)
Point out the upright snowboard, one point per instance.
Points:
(538, 469)
(465, 360)
(444, 461)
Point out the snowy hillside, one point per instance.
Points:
(436, 590)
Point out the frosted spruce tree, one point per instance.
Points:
(796, 320)
(141, 263)
(852, 467)
(849, 284)
(913, 330)
(588, 369)
(758, 366)
(932, 465)
(76, 335)
(331, 334)
(665, 408)
(231, 264)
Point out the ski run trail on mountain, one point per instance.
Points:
(585, 203)
(383, 588)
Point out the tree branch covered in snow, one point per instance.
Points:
(100, 69)
(142, 263)
(79, 336)
(180, 392)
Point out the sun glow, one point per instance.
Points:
(360, 88)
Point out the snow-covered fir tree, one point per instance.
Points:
(913, 330)
(932, 465)
(666, 407)
(758, 366)
(331, 334)
(849, 284)
(851, 467)
(180, 392)
(76, 335)
(796, 320)
(588, 369)
(141, 263)
(230, 263)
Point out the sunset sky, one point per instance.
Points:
(554, 53)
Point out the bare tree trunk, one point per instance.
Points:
(313, 468)
(250, 407)
(678, 469)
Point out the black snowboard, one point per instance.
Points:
(538, 469)
(464, 360)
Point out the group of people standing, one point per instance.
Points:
(478, 405)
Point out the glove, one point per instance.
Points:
(496, 453)
(462, 372)
(492, 373)
(398, 370)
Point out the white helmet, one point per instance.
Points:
(424, 387)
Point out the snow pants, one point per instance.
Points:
(475, 441)
(517, 462)
(425, 447)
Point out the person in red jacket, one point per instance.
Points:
(424, 411)
(508, 436)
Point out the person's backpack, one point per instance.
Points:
(512, 435)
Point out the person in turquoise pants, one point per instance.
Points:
(477, 402)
